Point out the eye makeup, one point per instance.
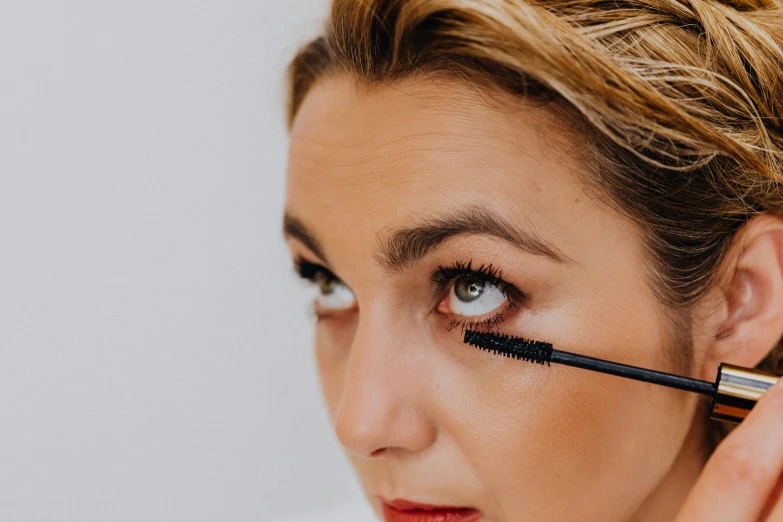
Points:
(446, 278)
(312, 271)
(471, 286)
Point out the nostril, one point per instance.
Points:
(379, 452)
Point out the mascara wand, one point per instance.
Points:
(734, 393)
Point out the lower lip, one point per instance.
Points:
(391, 514)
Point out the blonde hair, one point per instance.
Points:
(682, 101)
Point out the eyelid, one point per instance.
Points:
(445, 276)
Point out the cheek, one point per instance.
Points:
(333, 338)
(537, 435)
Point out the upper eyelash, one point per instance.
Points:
(308, 270)
(487, 273)
(442, 278)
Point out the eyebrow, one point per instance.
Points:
(401, 248)
(293, 227)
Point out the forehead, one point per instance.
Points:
(368, 158)
(348, 124)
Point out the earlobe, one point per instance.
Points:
(751, 285)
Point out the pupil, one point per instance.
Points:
(468, 290)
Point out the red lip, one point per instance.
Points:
(404, 511)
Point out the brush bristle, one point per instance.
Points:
(510, 346)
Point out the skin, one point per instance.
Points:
(429, 419)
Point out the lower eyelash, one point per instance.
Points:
(488, 324)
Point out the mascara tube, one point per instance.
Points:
(734, 393)
(737, 390)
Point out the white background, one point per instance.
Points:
(155, 348)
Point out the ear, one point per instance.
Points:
(748, 319)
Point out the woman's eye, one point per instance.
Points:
(333, 294)
(470, 296)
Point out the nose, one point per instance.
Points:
(381, 410)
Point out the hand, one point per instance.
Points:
(743, 479)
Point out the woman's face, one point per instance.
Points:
(420, 210)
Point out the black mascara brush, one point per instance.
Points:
(734, 393)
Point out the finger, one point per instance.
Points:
(774, 509)
(741, 474)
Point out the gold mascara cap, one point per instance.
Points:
(737, 391)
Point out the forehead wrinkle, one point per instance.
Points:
(399, 249)
(386, 168)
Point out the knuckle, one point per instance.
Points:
(771, 402)
(741, 465)
(775, 394)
